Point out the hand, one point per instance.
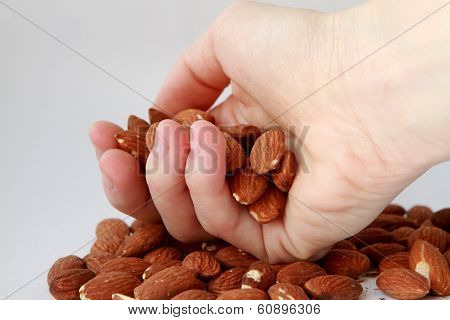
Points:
(373, 124)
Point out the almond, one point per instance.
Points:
(94, 261)
(232, 257)
(426, 260)
(404, 284)
(348, 263)
(66, 284)
(287, 291)
(427, 223)
(370, 236)
(267, 151)
(246, 135)
(150, 136)
(142, 241)
(260, 275)
(188, 116)
(391, 222)
(107, 244)
(137, 124)
(419, 214)
(396, 260)
(137, 225)
(394, 209)
(283, 176)
(377, 251)
(436, 236)
(234, 153)
(299, 272)
(133, 143)
(156, 116)
(102, 287)
(333, 287)
(135, 266)
(228, 280)
(277, 267)
(195, 294)
(209, 246)
(112, 227)
(447, 256)
(269, 206)
(163, 254)
(247, 186)
(441, 219)
(202, 263)
(118, 296)
(65, 263)
(244, 294)
(167, 283)
(159, 266)
(401, 235)
(344, 244)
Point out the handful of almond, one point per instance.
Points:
(259, 181)
(409, 250)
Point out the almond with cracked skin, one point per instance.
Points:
(377, 251)
(159, 266)
(245, 134)
(394, 209)
(287, 291)
(232, 257)
(441, 219)
(167, 283)
(135, 266)
(269, 206)
(401, 235)
(426, 260)
(65, 263)
(419, 214)
(163, 254)
(156, 115)
(112, 227)
(299, 272)
(202, 263)
(118, 296)
(396, 260)
(107, 245)
(333, 287)
(403, 284)
(133, 143)
(66, 284)
(344, 244)
(195, 294)
(391, 222)
(267, 151)
(137, 124)
(150, 136)
(283, 176)
(246, 186)
(188, 116)
(436, 236)
(142, 241)
(348, 263)
(95, 261)
(244, 294)
(234, 153)
(260, 275)
(227, 280)
(102, 287)
(370, 236)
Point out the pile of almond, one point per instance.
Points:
(409, 251)
(260, 168)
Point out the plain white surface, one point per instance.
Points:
(51, 196)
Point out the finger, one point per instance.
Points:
(125, 189)
(165, 178)
(216, 210)
(196, 80)
(102, 136)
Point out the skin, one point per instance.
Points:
(380, 123)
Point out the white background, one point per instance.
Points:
(50, 191)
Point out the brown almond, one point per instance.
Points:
(426, 260)
(94, 262)
(66, 284)
(419, 214)
(447, 256)
(188, 116)
(396, 260)
(260, 275)
(135, 266)
(102, 287)
(137, 225)
(163, 254)
(133, 143)
(377, 251)
(333, 287)
(142, 241)
(202, 263)
(167, 283)
(436, 236)
(269, 206)
(234, 154)
(137, 124)
(227, 280)
(246, 135)
(427, 223)
(299, 272)
(150, 136)
(403, 284)
(195, 294)
(401, 235)
(348, 263)
(267, 151)
(370, 236)
(107, 244)
(244, 294)
(394, 209)
(283, 176)
(156, 116)
(232, 257)
(112, 227)
(441, 219)
(287, 291)
(65, 263)
(159, 266)
(344, 244)
(247, 186)
(391, 222)
(118, 296)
